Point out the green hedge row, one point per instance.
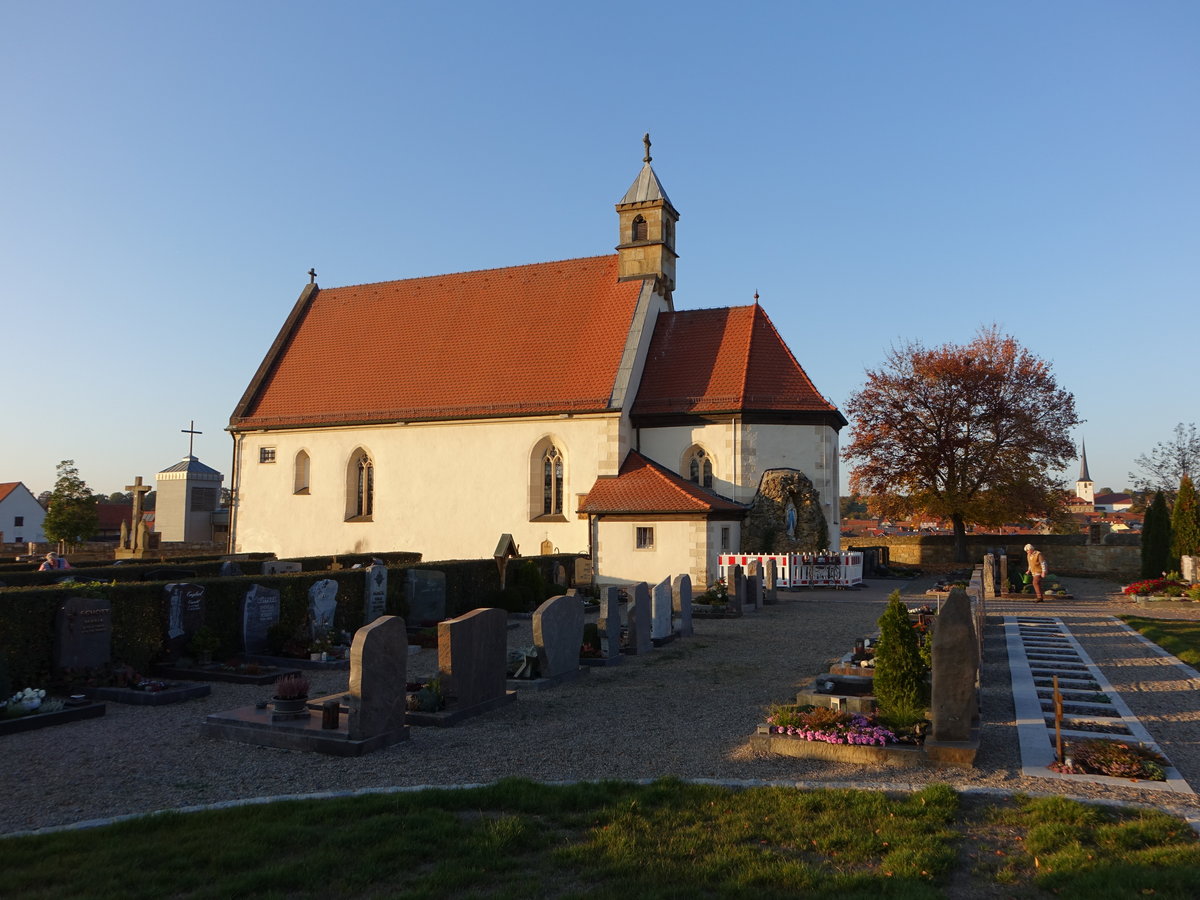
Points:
(140, 610)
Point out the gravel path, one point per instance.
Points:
(686, 709)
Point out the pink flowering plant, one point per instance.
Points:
(829, 726)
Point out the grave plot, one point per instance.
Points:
(1063, 700)
(557, 639)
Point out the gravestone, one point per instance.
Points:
(378, 672)
(83, 633)
(681, 601)
(560, 574)
(375, 593)
(230, 569)
(1190, 568)
(425, 591)
(660, 611)
(771, 586)
(260, 610)
(547, 548)
(737, 590)
(322, 605)
(638, 621)
(955, 669)
(583, 570)
(1004, 582)
(185, 616)
(754, 591)
(989, 575)
(558, 635)
(473, 656)
(609, 623)
(280, 566)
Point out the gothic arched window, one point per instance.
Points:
(698, 466)
(552, 482)
(360, 486)
(547, 478)
(300, 473)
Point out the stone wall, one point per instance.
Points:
(1118, 557)
(94, 551)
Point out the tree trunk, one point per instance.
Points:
(960, 539)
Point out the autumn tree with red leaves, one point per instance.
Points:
(966, 433)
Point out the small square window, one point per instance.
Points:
(644, 538)
(266, 454)
(18, 521)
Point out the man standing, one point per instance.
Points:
(1037, 568)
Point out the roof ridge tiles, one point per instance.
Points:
(548, 262)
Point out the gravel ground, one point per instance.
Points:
(685, 710)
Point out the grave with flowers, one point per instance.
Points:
(32, 708)
(884, 721)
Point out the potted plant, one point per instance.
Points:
(204, 644)
(291, 694)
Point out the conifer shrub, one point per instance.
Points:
(899, 671)
(1185, 523)
(1156, 538)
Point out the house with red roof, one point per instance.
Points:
(567, 403)
(21, 515)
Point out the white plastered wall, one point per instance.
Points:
(445, 490)
(618, 561)
(812, 449)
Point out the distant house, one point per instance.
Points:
(1113, 502)
(109, 517)
(21, 516)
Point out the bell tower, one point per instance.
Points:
(1085, 488)
(647, 235)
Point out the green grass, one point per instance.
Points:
(517, 839)
(1178, 637)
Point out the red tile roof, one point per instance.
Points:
(526, 340)
(643, 486)
(708, 361)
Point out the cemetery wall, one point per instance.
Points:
(1116, 556)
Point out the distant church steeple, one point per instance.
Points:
(1085, 488)
(647, 229)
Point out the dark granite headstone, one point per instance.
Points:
(681, 601)
(375, 593)
(83, 633)
(473, 657)
(754, 591)
(609, 623)
(638, 617)
(557, 635)
(955, 669)
(185, 616)
(260, 610)
(322, 605)
(425, 591)
(737, 590)
(771, 584)
(378, 672)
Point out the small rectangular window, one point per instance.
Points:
(724, 538)
(18, 521)
(266, 454)
(645, 538)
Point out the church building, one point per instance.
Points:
(569, 404)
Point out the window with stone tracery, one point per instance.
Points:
(360, 486)
(552, 477)
(547, 479)
(698, 466)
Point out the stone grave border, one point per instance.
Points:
(206, 674)
(174, 693)
(47, 720)
(1037, 739)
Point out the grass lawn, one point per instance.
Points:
(1178, 637)
(669, 839)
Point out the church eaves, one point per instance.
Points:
(644, 487)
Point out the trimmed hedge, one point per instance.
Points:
(139, 608)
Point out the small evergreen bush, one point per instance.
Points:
(899, 671)
(1156, 538)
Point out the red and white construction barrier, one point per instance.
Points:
(802, 569)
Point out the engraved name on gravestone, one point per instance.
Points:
(260, 610)
(375, 593)
(322, 604)
(83, 633)
(280, 567)
(185, 615)
(425, 591)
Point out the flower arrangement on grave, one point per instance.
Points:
(29, 702)
(828, 726)
(291, 687)
(204, 643)
(590, 648)
(426, 697)
(1167, 587)
(1116, 759)
(716, 595)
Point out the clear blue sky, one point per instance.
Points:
(876, 171)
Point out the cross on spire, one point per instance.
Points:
(191, 432)
(312, 276)
(646, 141)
